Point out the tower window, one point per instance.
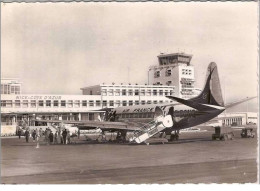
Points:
(168, 72)
(157, 74)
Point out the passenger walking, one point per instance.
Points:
(51, 137)
(27, 134)
(19, 132)
(64, 136)
(68, 137)
(45, 135)
(56, 138)
(40, 132)
(34, 135)
(48, 135)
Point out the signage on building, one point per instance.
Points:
(38, 97)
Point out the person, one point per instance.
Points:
(68, 137)
(64, 135)
(27, 135)
(48, 131)
(56, 138)
(51, 137)
(59, 136)
(45, 135)
(40, 132)
(19, 132)
(34, 135)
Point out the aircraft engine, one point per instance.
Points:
(167, 121)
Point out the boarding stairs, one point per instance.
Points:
(151, 128)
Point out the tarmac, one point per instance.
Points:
(195, 158)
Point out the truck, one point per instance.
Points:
(247, 133)
(223, 133)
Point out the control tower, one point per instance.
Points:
(174, 70)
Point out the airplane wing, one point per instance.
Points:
(87, 125)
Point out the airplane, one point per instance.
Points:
(165, 120)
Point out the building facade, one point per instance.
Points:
(113, 95)
(11, 86)
(15, 108)
(174, 70)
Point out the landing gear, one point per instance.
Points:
(174, 136)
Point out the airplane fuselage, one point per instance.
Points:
(183, 116)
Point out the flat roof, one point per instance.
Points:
(174, 54)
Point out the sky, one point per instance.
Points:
(58, 48)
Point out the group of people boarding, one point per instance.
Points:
(59, 137)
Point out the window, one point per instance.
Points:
(157, 74)
(98, 103)
(91, 103)
(117, 103)
(168, 72)
(17, 89)
(130, 92)
(48, 103)
(169, 83)
(84, 103)
(70, 103)
(9, 103)
(55, 103)
(124, 92)
(3, 103)
(77, 102)
(130, 102)
(161, 101)
(25, 103)
(104, 103)
(124, 103)
(136, 102)
(110, 92)
(117, 92)
(155, 102)
(40, 103)
(143, 102)
(160, 92)
(33, 103)
(148, 92)
(149, 102)
(166, 92)
(142, 93)
(136, 92)
(63, 103)
(154, 92)
(111, 103)
(104, 92)
(12, 90)
(171, 92)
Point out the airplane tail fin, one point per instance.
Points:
(211, 94)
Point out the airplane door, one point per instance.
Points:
(171, 111)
